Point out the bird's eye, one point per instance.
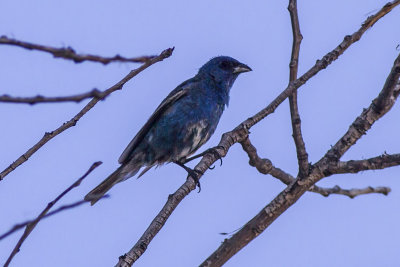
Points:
(224, 65)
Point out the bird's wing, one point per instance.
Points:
(176, 94)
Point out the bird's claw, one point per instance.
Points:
(195, 176)
(214, 151)
(216, 154)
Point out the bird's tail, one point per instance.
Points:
(118, 176)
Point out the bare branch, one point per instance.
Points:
(295, 190)
(353, 166)
(41, 99)
(289, 196)
(302, 155)
(354, 192)
(70, 54)
(265, 166)
(297, 38)
(173, 201)
(238, 135)
(62, 208)
(379, 107)
(72, 122)
(320, 64)
(30, 226)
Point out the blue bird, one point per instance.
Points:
(180, 125)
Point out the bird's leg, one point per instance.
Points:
(192, 173)
(212, 150)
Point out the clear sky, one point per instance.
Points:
(316, 231)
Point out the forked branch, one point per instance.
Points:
(72, 122)
(321, 169)
(240, 133)
(265, 166)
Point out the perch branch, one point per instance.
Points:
(173, 201)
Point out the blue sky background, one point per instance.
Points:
(316, 231)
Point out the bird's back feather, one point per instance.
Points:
(168, 101)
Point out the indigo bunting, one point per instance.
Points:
(182, 123)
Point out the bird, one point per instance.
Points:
(181, 124)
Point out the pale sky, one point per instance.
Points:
(316, 231)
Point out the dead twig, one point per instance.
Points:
(30, 226)
(62, 208)
(57, 99)
(265, 166)
(70, 54)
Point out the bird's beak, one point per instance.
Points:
(241, 68)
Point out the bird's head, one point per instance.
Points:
(223, 70)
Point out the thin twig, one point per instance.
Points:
(70, 54)
(354, 192)
(302, 155)
(42, 99)
(62, 208)
(72, 122)
(30, 226)
(237, 135)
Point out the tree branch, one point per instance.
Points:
(302, 155)
(265, 166)
(238, 135)
(70, 54)
(41, 99)
(379, 107)
(297, 188)
(72, 122)
(30, 226)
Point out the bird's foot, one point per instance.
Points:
(212, 150)
(195, 174)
